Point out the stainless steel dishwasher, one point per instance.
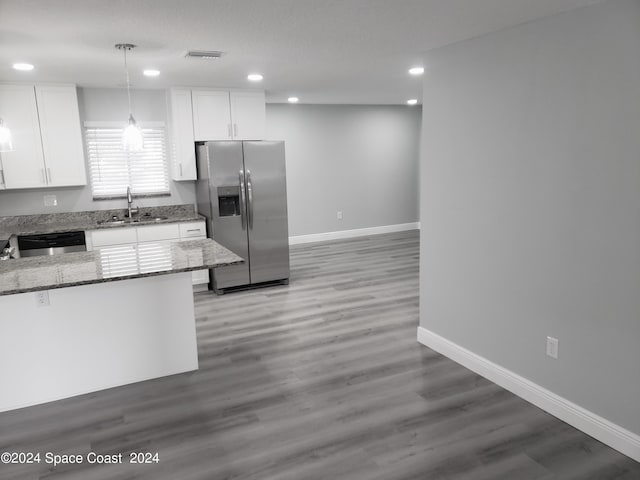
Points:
(51, 244)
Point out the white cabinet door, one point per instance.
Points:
(24, 166)
(153, 233)
(195, 231)
(154, 256)
(61, 135)
(113, 236)
(183, 152)
(198, 277)
(118, 260)
(248, 115)
(211, 115)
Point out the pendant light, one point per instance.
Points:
(132, 135)
(5, 138)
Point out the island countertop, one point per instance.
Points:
(111, 264)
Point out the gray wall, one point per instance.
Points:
(100, 104)
(361, 160)
(530, 208)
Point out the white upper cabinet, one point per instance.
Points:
(248, 115)
(211, 115)
(224, 115)
(202, 115)
(47, 137)
(24, 166)
(61, 135)
(183, 151)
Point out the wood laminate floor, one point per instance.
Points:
(320, 379)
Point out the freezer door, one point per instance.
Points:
(228, 210)
(267, 210)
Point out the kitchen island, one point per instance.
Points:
(81, 322)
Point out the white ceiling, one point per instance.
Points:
(323, 51)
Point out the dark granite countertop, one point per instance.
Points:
(93, 220)
(111, 264)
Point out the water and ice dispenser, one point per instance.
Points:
(229, 201)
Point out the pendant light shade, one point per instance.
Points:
(5, 138)
(132, 136)
(132, 139)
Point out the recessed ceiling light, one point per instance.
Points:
(254, 77)
(413, 101)
(416, 70)
(25, 67)
(293, 99)
(151, 73)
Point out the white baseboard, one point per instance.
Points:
(607, 432)
(360, 232)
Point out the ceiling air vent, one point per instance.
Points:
(204, 54)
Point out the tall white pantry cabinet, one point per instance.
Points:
(47, 137)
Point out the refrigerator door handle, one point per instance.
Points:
(250, 199)
(243, 200)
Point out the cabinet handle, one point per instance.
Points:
(180, 169)
(2, 177)
(193, 230)
(44, 176)
(235, 129)
(229, 129)
(49, 175)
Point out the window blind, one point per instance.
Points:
(135, 259)
(112, 169)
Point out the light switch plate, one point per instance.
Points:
(50, 201)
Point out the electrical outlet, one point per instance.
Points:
(339, 215)
(42, 298)
(552, 347)
(50, 201)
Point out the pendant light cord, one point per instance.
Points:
(126, 71)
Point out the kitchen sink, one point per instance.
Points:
(118, 221)
(126, 221)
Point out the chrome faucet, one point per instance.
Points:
(131, 210)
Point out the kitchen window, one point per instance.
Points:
(111, 169)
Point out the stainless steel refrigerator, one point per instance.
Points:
(242, 190)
